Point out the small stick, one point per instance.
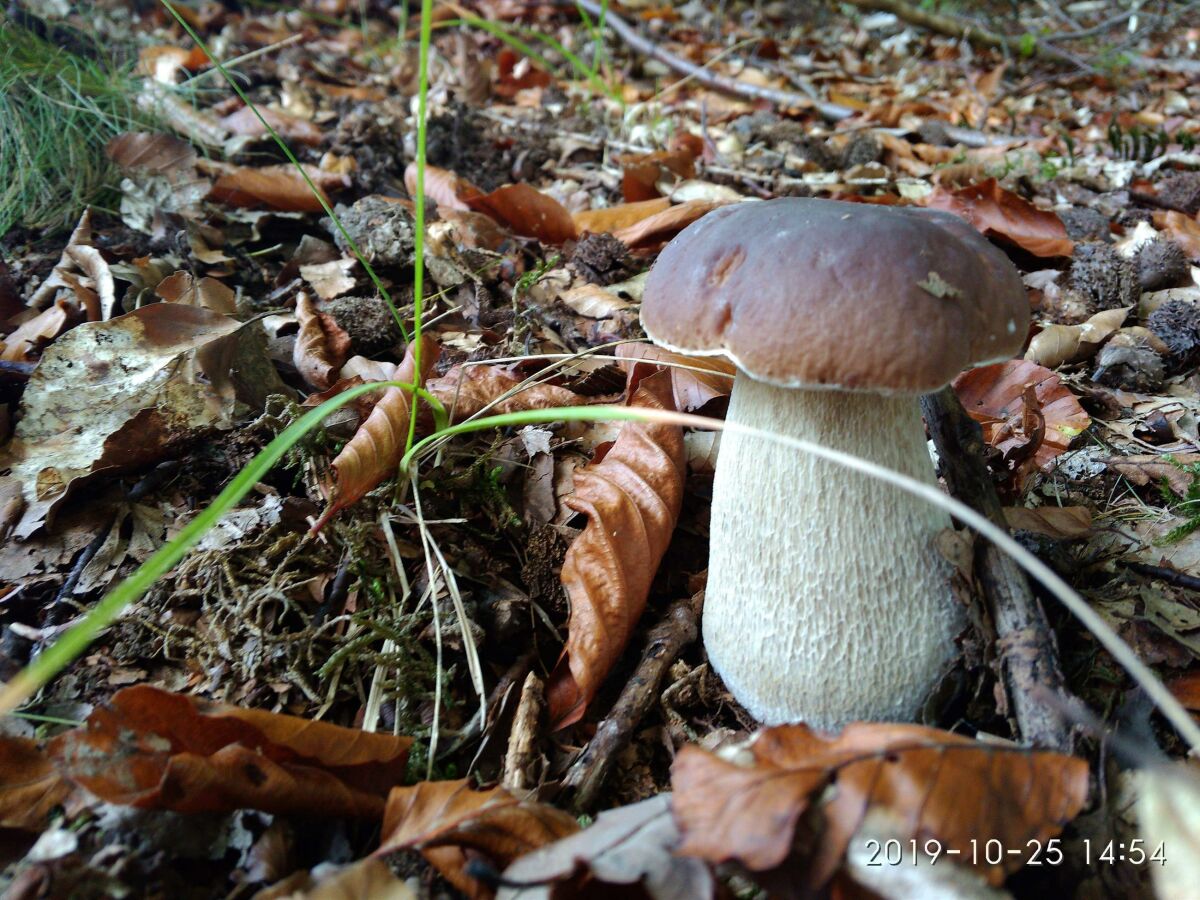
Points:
(521, 759)
(1028, 656)
(1172, 577)
(834, 112)
(678, 628)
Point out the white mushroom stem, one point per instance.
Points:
(827, 602)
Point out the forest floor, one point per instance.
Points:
(484, 676)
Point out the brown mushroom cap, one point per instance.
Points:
(809, 293)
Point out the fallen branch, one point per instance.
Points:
(1028, 657)
(678, 629)
(834, 112)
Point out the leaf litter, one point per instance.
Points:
(243, 306)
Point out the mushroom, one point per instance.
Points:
(827, 601)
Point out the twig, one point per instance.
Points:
(677, 629)
(834, 112)
(1162, 573)
(1029, 664)
(521, 759)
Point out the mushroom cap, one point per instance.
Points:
(822, 293)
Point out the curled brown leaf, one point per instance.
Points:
(30, 785)
(692, 389)
(372, 455)
(321, 345)
(930, 784)
(632, 499)
(527, 212)
(467, 390)
(655, 230)
(1002, 214)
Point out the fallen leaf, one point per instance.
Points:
(931, 784)
(632, 499)
(999, 213)
(373, 454)
(442, 186)
(1186, 689)
(289, 127)
(207, 292)
(1144, 468)
(614, 218)
(994, 396)
(321, 348)
(154, 749)
(1181, 228)
(692, 389)
(1058, 344)
(527, 212)
(593, 301)
(631, 845)
(25, 342)
(31, 786)
(330, 279)
(97, 295)
(659, 228)
(367, 879)
(1058, 522)
(158, 153)
(467, 390)
(275, 187)
(449, 823)
(641, 173)
(120, 394)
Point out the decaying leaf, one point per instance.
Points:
(692, 389)
(120, 394)
(30, 785)
(84, 272)
(920, 782)
(154, 749)
(449, 823)
(614, 218)
(1144, 468)
(367, 879)
(442, 186)
(292, 128)
(275, 187)
(372, 455)
(630, 846)
(632, 499)
(25, 342)
(1002, 214)
(1058, 522)
(655, 230)
(210, 293)
(994, 396)
(641, 173)
(1058, 344)
(466, 390)
(1182, 229)
(321, 345)
(527, 212)
(593, 301)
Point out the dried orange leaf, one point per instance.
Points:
(442, 186)
(931, 784)
(632, 499)
(615, 218)
(657, 229)
(450, 823)
(372, 455)
(527, 212)
(30, 785)
(1002, 214)
(994, 397)
(154, 749)
(466, 390)
(321, 345)
(25, 342)
(691, 389)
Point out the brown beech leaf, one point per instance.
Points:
(994, 397)
(245, 122)
(442, 186)
(1144, 468)
(632, 499)
(1058, 522)
(926, 783)
(1182, 229)
(1002, 214)
(691, 389)
(527, 212)
(372, 455)
(24, 343)
(1057, 344)
(154, 749)
(158, 153)
(614, 218)
(466, 390)
(30, 785)
(641, 173)
(207, 292)
(654, 231)
(276, 187)
(367, 879)
(449, 823)
(321, 348)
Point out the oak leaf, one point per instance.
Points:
(929, 784)
(372, 455)
(996, 212)
(450, 824)
(632, 499)
(154, 749)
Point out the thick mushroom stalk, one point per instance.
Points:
(827, 601)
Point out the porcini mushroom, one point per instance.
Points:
(826, 601)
